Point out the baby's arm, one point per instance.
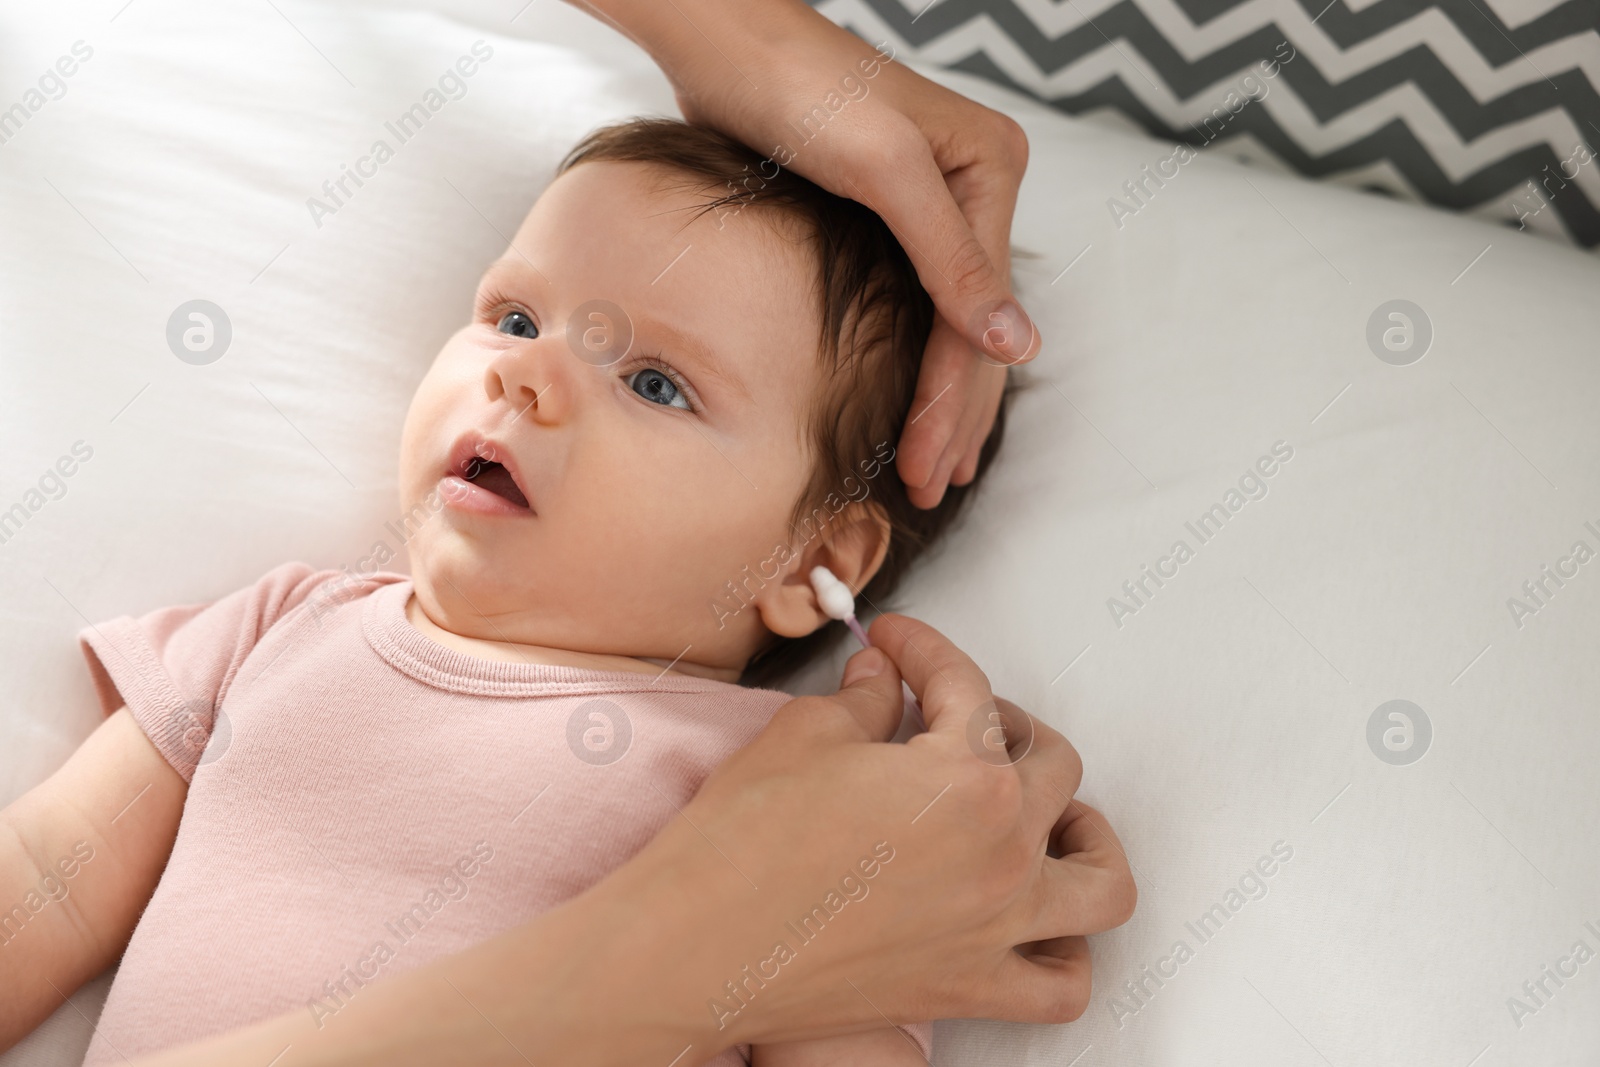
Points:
(886, 1047)
(80, 855)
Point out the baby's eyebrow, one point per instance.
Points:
(704, 359)
(511, 269)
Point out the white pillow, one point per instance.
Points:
(1235, 708)
(1229, 312)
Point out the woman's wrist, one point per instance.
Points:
(649, 938)
(676, 33)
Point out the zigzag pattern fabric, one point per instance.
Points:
(1485, 108)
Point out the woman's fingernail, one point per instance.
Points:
(867, 663)
(1008, 335)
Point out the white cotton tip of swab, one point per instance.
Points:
(834, 596)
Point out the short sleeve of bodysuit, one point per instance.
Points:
(172, 666)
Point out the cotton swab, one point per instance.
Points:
(837, 602)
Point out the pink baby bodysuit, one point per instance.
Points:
(363, 800)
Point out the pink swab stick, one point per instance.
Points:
(838, 602)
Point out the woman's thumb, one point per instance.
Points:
(983, 307)
(1003, 333)
(867, 663)
(871, 690)
(967, 286)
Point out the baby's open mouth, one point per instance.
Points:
(482, 477)
(488, 474)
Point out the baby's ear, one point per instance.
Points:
(852, 544)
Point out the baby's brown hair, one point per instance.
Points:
(876, 318)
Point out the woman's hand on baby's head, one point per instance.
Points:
(943, 172)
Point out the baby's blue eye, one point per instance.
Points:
(517, 324)
(657, 388)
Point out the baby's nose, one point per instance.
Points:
(530, 377)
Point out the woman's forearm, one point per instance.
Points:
(587, 983)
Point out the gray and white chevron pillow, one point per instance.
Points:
(1488, 107)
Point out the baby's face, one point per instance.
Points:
(650, 481)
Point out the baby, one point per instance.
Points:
(678, 394)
